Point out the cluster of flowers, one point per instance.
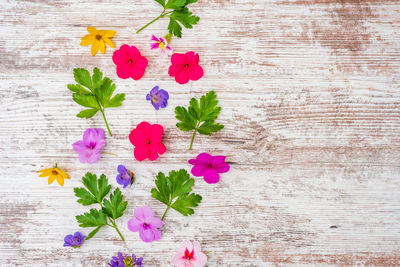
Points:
(147, 141)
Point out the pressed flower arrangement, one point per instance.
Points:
(95, 93)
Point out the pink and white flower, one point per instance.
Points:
(189, 255)
(161, 44)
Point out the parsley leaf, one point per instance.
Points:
(199, 117)
(95, 93)
(174, 191)
(179, 15)
(95, 191)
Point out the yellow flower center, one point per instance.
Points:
(161, 45)
(98, 37)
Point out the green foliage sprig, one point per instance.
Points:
(178, 14)
(174, 191)
(200, 117)
(95, 93)
(94, 192)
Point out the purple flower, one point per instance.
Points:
(158, 98)
(89, 149)
(146, 224)
(125, 177)
(209, 167)
(75, 240)
(125, 261)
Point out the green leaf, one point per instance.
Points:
(185, 17)
(175, 4)
(82, 77)
(92, 233)
(87, 113)
(116, 101)
(162, 2)
(98, 188)
(115, 207)
(174, 28)
(85, 197)
(188, 2)
(94, 218)
(200, 116)
(86, 100)
(97, 78)
(77, 88)
(210, 127)
(174, 190)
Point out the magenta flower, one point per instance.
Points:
(209, 167)
(189, 255)
(89, 149)
(146, 224)
(161, 44)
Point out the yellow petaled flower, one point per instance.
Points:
(54, 174)
(98, 39)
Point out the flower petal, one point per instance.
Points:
(154, 45)
(178, 59)
(222, 168)
(102, 46)
(92, 30)
(156, 222)
(134, 225)
(192, 58)
(204, 158)
(161, 148)
(144, 125)
(121, 56)
(156, 131)
(121, 169)
(153, 38)
(211, 176)
(153, 152)
(199, 260)
(51, 179)
(79, 146)
(141, 152)
(109, 42)
(144, 213)
(146, 234)
(199, 170)
(95, 47)
(182, 76)
(195, 72)
(60, 180)
(108, 33)
(156, 232)
(87, 39)
(154, 91)
(123, 71)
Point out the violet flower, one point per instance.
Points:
(125, 261)
(89, 149)
(209, 167)
(125, 177)
(146, 224)
(158, 98)
(75, 240)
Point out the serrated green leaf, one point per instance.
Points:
(116, 101)
(92, 233)
(194, 108)
(115, 207)
(175, 4)
(94, 218)
(185, 17)
(210, 127)
(85, 197)
(174, 190)
(86, 100)
(208, 107)
(77, 88)
(87, 113)
(161, 2)
(174, 28)
(188, 122)
(99, 188)
(82, 76)
(97, 78)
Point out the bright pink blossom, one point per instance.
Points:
(130, 63)
(209, 167)
(185, 67)
(189, 255)
(89, 149)
(146, 224)
(147, 141)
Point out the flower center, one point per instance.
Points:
(54, 172)
(161, 45)
(130, 61)
(186, 65)
(148, 142)
(188, 256)
(155, 99)
(98, 37)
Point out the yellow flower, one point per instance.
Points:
(98, 39)
(54, 174)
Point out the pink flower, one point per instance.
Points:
(209, 167)
(130, 63)
(89, 149)
(161, 44)
(147, 141)
(185, 67)
(146, 224)
(189, 255)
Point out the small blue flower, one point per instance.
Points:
(158, 98)
(75, 240)
(125, 177)
(125, 261)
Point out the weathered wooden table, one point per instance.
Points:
(310, 101)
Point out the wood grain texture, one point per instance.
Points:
(310, 101)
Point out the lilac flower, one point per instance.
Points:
(158, 98)
(209, 167)
(75, 240)
(89, 149)
(125, 261)
(125, 177)
(161, 44)
(146, 224)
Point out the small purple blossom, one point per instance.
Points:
(89, 149)
(209, 167)
(161, 44)
(158, 97)
(125, 261)
(75, 240)
(125, 177)
(146, 224)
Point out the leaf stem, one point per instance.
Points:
(165, 212)
(154, 20)
(194, 134)
(116, 228)
(105, 120)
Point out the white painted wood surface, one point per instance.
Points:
(310, 100)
